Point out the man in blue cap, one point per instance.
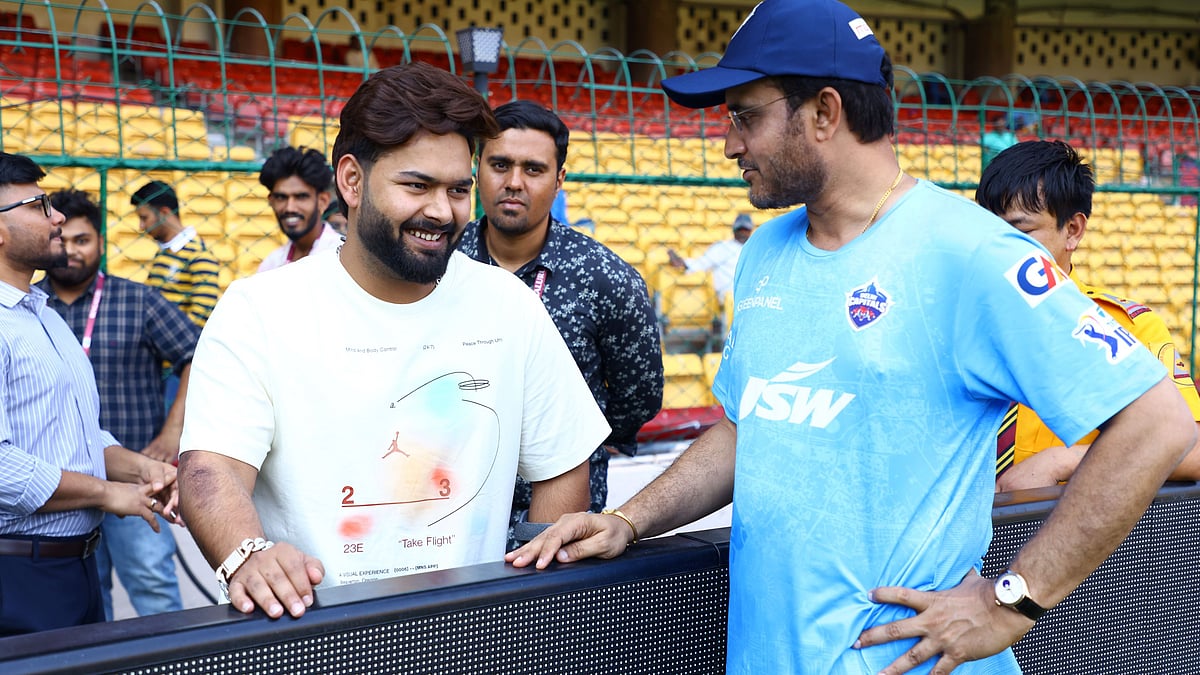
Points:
(879, 335)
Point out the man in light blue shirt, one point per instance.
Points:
(879, 334)
(59, 471)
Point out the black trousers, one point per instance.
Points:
(39, 593)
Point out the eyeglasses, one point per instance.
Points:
(43, 198)
(740, 120)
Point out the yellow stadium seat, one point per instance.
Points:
(612, 235)
(251, 255)
(1110, 277)
(658, 236)
(137, 247)
(1152, 295)
(251, 227)
(1140, 281)
(655, 261)
(58, 178)
(1140, 258)
(225, 252)
(1176, 277)
(315, 132)
(225, 276)
(691, 233)
(727, 313)
(128, 268)
(631, 254)
(210, 226)
(684, 384)
(699, 240)
(14, 118)
(688, 301)
(712, 363)
(52, 128)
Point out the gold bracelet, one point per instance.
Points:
(622, 516)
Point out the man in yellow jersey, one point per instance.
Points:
(184, 269)
(1044, 189)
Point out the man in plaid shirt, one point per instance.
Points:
(128, 330)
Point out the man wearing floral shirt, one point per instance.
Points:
(598, 301)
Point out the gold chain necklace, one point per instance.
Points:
(884, 198)
(875, 212)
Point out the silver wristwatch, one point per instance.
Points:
(238, 558)
(1013, 592)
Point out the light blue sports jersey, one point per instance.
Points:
(867, 385)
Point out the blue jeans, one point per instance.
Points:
(170, 391)
(145, 564)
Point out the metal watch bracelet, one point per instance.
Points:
(237, 558)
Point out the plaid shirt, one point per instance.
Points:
(602, 309)
(136, 330)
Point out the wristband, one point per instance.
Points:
(237, 558)
(622, 516)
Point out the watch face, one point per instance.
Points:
(1010, 589)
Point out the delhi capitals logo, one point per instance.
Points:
(865, 304)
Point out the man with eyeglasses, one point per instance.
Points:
(298, 180)
(59, 471)
(879, 334)
(128, 330)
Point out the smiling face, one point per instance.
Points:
(772, 148)
(414, 202)
(82, 245)
(298, 207)
(518, 180)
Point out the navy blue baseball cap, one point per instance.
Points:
(813, 38)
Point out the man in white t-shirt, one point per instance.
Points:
(298, 180)
(720, 258)
(369, 410)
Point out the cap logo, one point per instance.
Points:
(860, 28)
(746, 21)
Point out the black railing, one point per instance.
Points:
(658, 609)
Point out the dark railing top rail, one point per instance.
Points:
(659, 571)
(145, 641)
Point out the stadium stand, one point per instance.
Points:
(106, 97)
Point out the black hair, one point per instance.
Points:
(19, 170)
(868, 108)
(396, 103)
(76, 203)
(307, 164)
(1038, 175)
(525, 114)
(156, 194)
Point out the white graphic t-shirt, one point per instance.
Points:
(388, 436)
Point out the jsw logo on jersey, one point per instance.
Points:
(778, 399)
(1036, 276)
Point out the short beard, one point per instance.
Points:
(65, 275)
(375, 231)
(797, 176)
(297, 236)
(51, 261)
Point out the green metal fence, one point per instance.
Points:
(109, 99)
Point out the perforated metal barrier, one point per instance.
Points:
(1138, 613)
(658, 609)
